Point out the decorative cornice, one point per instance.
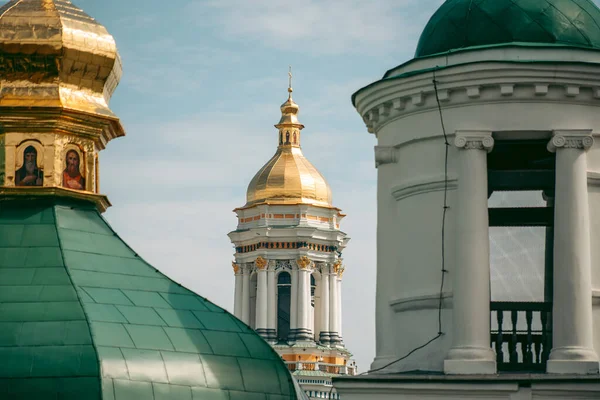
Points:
(36, 193)
(421, 302)
(473, 140)
(385, 155)
(413, 188)
(574, 139)
(260, 263)
(593, 178)
(469, 84)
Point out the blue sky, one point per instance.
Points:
(202, 85)
(201, 90)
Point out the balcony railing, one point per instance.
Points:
(323, 367)
(521, 335)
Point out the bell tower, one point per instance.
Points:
(288, 261)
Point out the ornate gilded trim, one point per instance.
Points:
(260, 263)
(236, 268)
(31, 193)
(304, 263)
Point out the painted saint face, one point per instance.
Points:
(29, 174)
(72, 161)
(72, 178)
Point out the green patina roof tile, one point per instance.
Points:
(141, 315)
(209, 394)
(226, 344)
(47, 311)
(112, 362)
(58, 293)
(256, 347)
(108, 264)
(20, 294)
(109, 334)
(11, 235)
(16, 276)
(107, 296)
(179, 318)
(184, 368)
(108, 389)
(10, 333)
(217, 321)
(222, 372)
(94, 243)
(146, 298)
(259, 375)
(64, 361)
(51, 276)
(81, 220)
(39, 236)
(54, 333)
(184, 301)
(104, 313)
(171, 392)
(131, 390)
(234, 395)
(145, 365)
(12, 257)
(149, 337)
(188, 340)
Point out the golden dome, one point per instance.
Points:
(52, 54)
(288, 177)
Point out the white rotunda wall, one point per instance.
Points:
(501, 96)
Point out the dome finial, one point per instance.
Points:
(290, 90)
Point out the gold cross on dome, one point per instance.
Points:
(290, 75)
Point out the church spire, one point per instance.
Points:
(289, 127)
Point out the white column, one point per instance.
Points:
(271, 304)
(304, 271)
(324, 334)
(339, 304)
(471, 352)
(246, 295)
(237, 300)
(261, 297)
(573, 346)
(333, 307)
(294, 303)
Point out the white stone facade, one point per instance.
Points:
(486, 96)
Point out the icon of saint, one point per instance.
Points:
(29, 174)
(72, 178)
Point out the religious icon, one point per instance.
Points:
(287, 137)
(29, 174)
(295, 138)
(280, 138)
(72, 178)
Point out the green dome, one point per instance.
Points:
(459, 24)
(82, 316)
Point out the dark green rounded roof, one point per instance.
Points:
(459, 24)
(83, 317)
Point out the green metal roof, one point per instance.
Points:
(82, 316)
(459, 24)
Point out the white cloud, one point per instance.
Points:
(327, 27)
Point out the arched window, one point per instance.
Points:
(284, 288)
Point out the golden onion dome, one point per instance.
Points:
(288, 177)
(52, 54)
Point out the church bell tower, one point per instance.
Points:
(288, 261)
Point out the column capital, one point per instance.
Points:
(474, 140)
(571, 139)
(304, 263)
(236, 268)
(260, 263)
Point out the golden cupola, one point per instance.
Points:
(58, 70)
(288, 177)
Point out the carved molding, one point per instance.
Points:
(474, 140)
(413, 188)
(576, 139)
(421, 302)
(385, 155)
(593, 178)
